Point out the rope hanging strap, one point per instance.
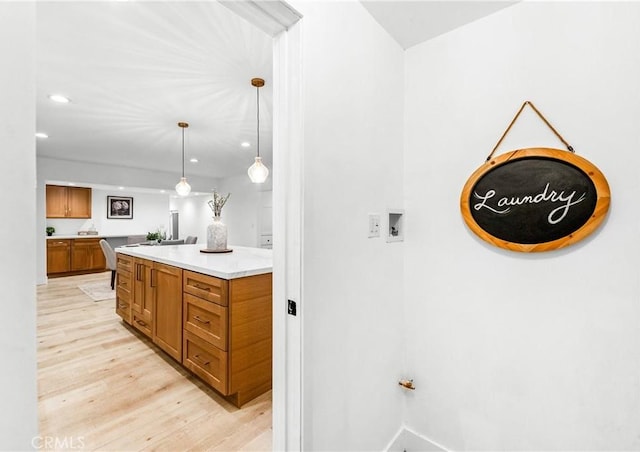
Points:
(526, 102)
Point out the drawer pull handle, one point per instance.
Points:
(201, 320)
(140, 322)
(197, 358)
(122, 305)
(198, 286)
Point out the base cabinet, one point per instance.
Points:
(74, 257)
(86, 255)
(227, 333)
(58, 257)
(218, 329)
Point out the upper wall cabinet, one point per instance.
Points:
(68, 202)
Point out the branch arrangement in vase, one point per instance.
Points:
(217, 203)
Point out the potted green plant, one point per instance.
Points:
(153, 236)
(50, 230)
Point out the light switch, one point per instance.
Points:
(374, 225)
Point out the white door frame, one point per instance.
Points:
(281, 21)
(287, 239)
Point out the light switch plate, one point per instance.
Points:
(374, 225)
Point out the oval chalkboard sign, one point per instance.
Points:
(535, 199)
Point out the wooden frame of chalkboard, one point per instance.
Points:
(535, 199)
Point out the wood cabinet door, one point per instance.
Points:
(98, 261)
(58, 256)
(167, 310)
(80, 255)
(143, 294)
(146, 303)
(78, 202)
(56, 197)
(138, 285)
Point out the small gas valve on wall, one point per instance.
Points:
(407, 384)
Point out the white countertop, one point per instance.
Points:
(96, 236)
(242, 261)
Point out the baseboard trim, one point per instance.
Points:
(409, 440)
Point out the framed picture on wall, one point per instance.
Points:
(120, 207)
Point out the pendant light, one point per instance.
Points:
(258, 172)
(182, 187)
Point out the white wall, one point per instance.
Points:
(18, 387)
(241, 213)
(193, 216)
(512, 351)
(351, 304)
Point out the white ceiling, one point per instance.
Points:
(133, 70)
(413, 22)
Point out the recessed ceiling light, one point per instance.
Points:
(162, 191)
(193, 160)
(245, 144)
(59, 98)
(120, 188)
(196, 194)
(41, 135)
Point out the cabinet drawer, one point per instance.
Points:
(123, 309)
(206, 320)
(123, 294)
(124, 263)
(207, 287)
(58, 243)
(206, 361)
(140, 323)
(124, 285)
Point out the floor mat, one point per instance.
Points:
(98, 291)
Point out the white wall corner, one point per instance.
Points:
(409, 440)
(272, 17)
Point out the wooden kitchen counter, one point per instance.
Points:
(210, 312)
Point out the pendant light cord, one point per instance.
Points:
(183, 152)
(258, 118)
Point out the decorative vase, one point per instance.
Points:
(217, 235)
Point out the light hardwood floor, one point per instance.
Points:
(103, 386)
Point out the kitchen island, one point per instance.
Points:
(210, 312)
